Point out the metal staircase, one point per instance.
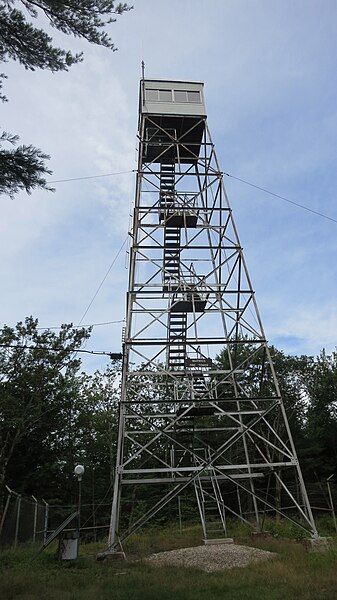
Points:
(176, 350)
(171, 232)
(171, 273)
(185, 435)
(211, 505)
(198, 366)
(199, 384)
(186, 298)
(167, 192)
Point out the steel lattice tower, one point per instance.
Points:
(187, 418)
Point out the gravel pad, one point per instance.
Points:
(211, 558)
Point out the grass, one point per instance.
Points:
(294, 574)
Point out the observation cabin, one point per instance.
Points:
(173, 116)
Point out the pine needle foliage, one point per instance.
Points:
(22, 167)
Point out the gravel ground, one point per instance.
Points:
(211, 558)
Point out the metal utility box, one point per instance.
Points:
(174, 113)
(68, 545)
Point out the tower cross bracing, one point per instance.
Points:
(200, 406)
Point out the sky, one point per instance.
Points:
(269, 69)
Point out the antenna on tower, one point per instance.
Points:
(143, 79)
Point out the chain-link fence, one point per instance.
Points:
(25, 519)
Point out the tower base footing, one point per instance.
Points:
(319, 545)
(109, 556)
(217, 541)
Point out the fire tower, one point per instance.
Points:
(200, 404)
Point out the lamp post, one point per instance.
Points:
(78, 471)
(69, 540)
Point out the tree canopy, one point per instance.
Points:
(37, 373)
(23, 167)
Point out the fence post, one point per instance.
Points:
(46, 513)
(331, 501)
(5, 509)
(179, 512)
(35, 518)
(17, 520)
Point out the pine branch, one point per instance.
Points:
(21, 168)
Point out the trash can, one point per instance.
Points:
(68, 545)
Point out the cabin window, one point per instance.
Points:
(193, 97)
(158, 95)
(152, 95)
(165, 95)
(178, 96)
(186, 96)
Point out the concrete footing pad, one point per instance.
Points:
(110, 556)
(261, 535)
(218, 541)
(319, 545)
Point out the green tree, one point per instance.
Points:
(321, 426)
(23, 167)
(95, 415)
(37, 370)
(256, 377)
(292, 373)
